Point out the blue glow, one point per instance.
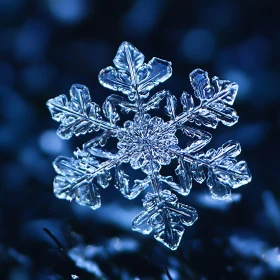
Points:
(252, 247)
(199, 45)
(19, 273)
(10, 181)
(90, 53)
(37, 77)
(272, 209)
(207, 201)
(119, 245)
(219, 16)
(78, 256)
(7, 73)
(33, 230)
(10, 8)
(254, 53)
(50, 143)
(242, 79)
(272, 258)
(248, 246)
(173, 273)
(68, 11)
(19, 258)
(34, 164)
(251, 135)
(142, 17)
(31, 41)
(20, 108)
(111, 215)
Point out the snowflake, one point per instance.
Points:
(147, 143)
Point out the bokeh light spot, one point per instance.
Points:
(68, 11)
(50, 143)
(198, 45)
(242, 79)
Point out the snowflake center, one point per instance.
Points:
(147, 142)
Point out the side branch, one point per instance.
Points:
(209, 105)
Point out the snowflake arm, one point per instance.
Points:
(77, 116)
(128, 106)
(123, 184)
(133, 77)
(224, 172)
(213, 101)
(183, 173)
(146, 143)
(74, 182)
(202, 138)
(76, 175)
(166, 217)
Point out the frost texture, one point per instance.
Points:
(147, 143)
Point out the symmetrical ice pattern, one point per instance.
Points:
(147, 143)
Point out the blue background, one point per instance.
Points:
(45, 46)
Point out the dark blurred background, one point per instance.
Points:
(45, 46)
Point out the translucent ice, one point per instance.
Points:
(147, 143)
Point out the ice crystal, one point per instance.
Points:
(147, 142)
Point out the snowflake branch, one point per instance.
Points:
(102, 124)
(79, 115)
(203, 138)
(123, 185)
(192, 158)
(191, 114)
